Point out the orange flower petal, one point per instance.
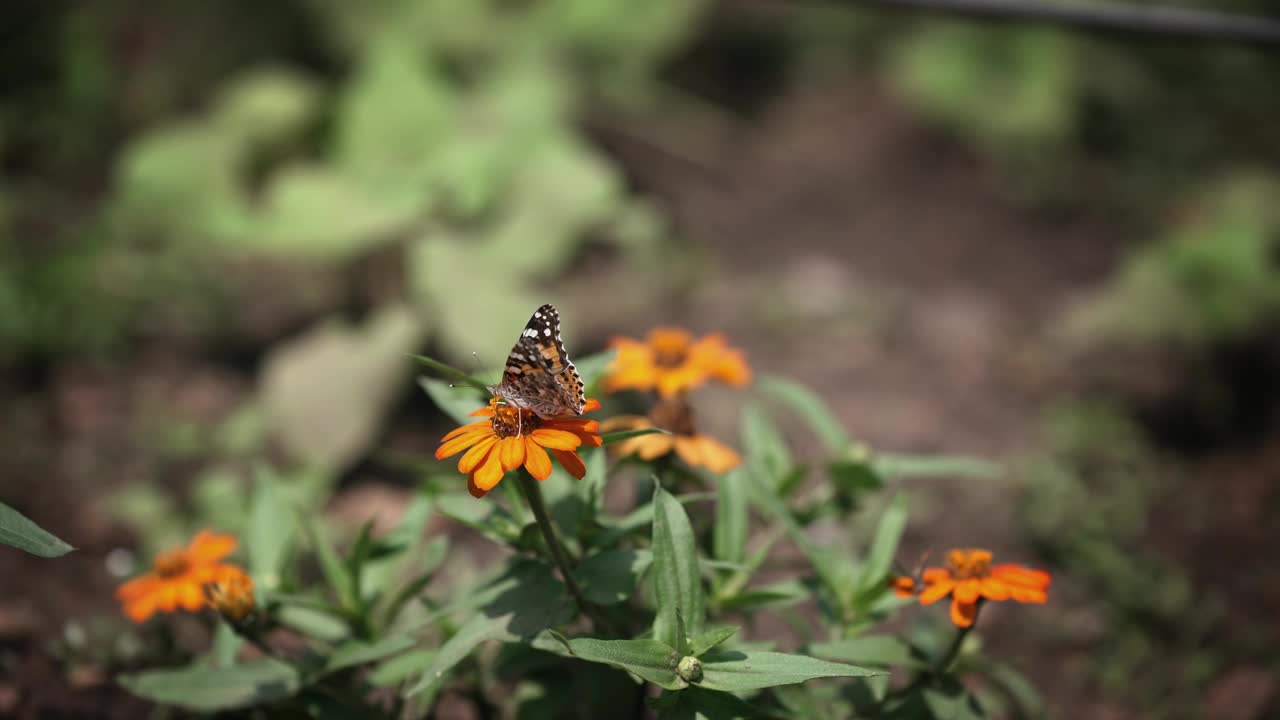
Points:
(903, 586)
(967, 591)
(478, 452)
(536, 460)
(652, 447)
(571, 463)
(716, 456)
(458, 443)
(486, 411)
(1018, 575)
(556, 439)
(511, 453)
(489, 473)
(209, 547)
(474, 489)
(962, 614)
(592, 404)
(1028, 595)
(994, 589)
(936, 591)
(190, 596)
(688, 450)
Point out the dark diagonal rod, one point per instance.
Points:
(1129, 19)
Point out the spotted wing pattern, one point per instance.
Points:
(538, 375)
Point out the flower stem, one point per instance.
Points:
(946, 659)
(533, 495)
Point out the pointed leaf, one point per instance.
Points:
(874, 650)
(735, 671)
(455, 401)
(270, 530)
(358, 652)
(875, 570)
(710, 638)
(18, 531)
(729, 541)
(610, 577)
(610, 438)
(677, 580)
(650, 659)
(532, 601)
(808, 405)
(207, 689)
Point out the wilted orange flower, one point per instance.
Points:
(231, 594)
(510, 437)
(675, 416)
(671, 361)
(969, 576)
(177, 577)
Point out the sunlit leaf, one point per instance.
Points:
(736, 671)
(879, 560)
(208, 689)
(676, 577)
(650, 659)
(809, 406)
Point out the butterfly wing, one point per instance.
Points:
(538, 374)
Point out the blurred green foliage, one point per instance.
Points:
(446, 129)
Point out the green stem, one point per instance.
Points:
(946, 659)
(533, 495)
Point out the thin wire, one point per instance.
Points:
(1109, 17)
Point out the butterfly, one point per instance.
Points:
(538, 375)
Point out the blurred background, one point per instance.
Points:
(223, 226)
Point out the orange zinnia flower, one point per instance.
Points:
(671, 361)
(676, 416)
(231, 594)
(177, 577)
(970, 576)
(510, 437)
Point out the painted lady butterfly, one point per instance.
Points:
(539, 375)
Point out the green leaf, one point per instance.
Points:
(532, 600)
(395, 670)
(767, 454)
(677, 580)
(449, 371)
(729, 541)
(903, 466)
(620, 435)
(875, 570)
(1018, 688)
(335, 572)
(18, 531)
(358, 652)
(710, 638)
(652, 660)
(874, 650)
(491, 519)
(208, 689)
(610, 577)
(695, 703)
(270, 530)
(314, 623)
(776, 595)
(736, 671)
(808, 405)
(456, 402)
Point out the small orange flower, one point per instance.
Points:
(510, 437)
(231, 594)
(177, 577)
(970, 576)
(676, 416)
(671, 361)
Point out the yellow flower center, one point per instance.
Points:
(511, 421)
(971, 563)
(171, 564)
